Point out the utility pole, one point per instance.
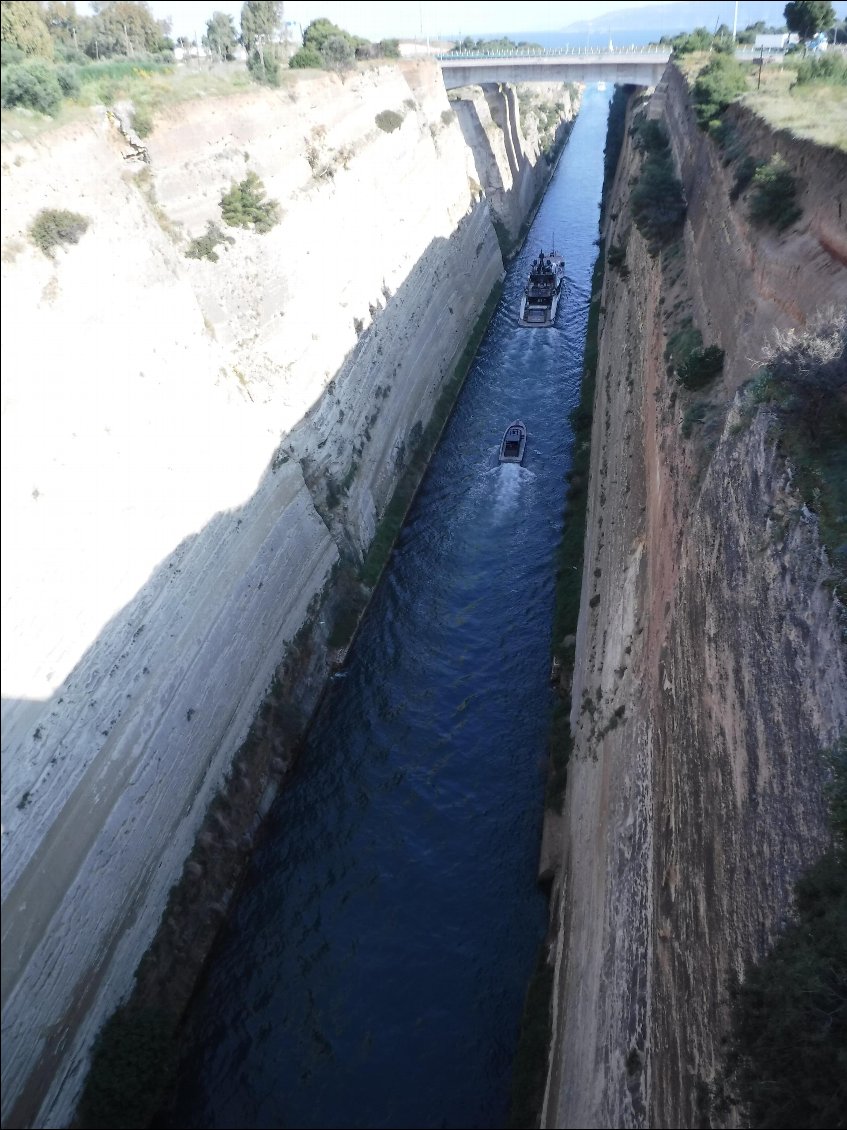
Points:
(735, 22)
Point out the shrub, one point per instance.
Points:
(693, 363)
(744, 174)
(774, 195)
(680, 344)
(650, 136)
(687, 42)
(658, 206)
(68, 80)
(10, 54)
(389, 48)
(617, 257)
(132, 1062)
(657, 203)
(34, 85)
(244, 206)
(700, 367)
(142, 121)
(389, 120)
(306, 57)
(829, 68)
(264, 67)
(716, 86)
(694, 415)
(338, 54)
(203, 247)
(52, 227)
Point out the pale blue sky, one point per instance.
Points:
(400, 19)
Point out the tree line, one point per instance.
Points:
(55, 34)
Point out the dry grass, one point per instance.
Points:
(813, 110)
(154, 90)
(24, 125)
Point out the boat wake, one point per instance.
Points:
(511, 480)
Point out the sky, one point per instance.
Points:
(416, 19)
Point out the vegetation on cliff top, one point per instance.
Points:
(57, 60)
(806, 95)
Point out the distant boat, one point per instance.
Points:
(540, 298)
(514, 443)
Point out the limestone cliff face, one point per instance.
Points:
(710, 668)
(505, 127)
(188, 449)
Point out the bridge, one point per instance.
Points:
(638, 66)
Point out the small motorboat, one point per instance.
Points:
(514, 443)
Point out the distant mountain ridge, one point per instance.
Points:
(685, 16)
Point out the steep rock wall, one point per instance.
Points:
(189, 447)
(504, 126)
(710, 668)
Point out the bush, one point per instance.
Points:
(244, 206)
(617, 257)
(68, 80)
(389, 48)
(203, 247)
(650, 136)
(716, 86)
(744, 174)
(34, 85)
(10, 54)
(829, 68)
(700, 367)
(52, 227)
(132, 1062)
(658, 206)
(687, 42)
(774, 195)
(264, 68)
(693, 416)
(389, 120)
(693, 363)
(142, 121)
(338, 54)
(306, 57)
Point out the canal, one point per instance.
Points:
(373, 970)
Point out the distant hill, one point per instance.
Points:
(683, 16)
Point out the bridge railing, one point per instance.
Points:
(556, 52)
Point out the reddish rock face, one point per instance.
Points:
(710, 669)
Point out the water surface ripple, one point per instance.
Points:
(373, 970)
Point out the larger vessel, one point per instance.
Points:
(540, 298)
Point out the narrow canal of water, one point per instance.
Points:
(373, 971)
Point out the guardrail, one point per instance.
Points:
(556, 52)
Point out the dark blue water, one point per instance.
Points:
(374, 968)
